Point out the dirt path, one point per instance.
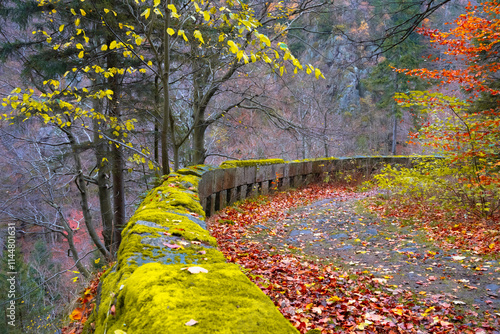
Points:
(341, 232)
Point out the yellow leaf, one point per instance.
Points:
(138, 40)
(233, 47)
(282, 69)
(112, 45)
(77, 22)
(156, 3)
(173, 11)
(318, 73)
(106, 10)
(197, 34)
(397, 311)
(80, 55)
(104, 47)
(334, 299)
(264, 39)
(61, 27)
(181, 33)
(221, 37)
(119, 331)
(158, 12)
(146, 13)
(83, 12)
(239, 55)
(492, 245)
(170, 31)
(206, 16)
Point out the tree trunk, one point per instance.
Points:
(82, 187)
(166, 95)
(74, 252)
(104, 193)
(394, 133)
(157, 124)
(117, 162)
(199, 143)
(395, 115)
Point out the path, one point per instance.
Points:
(341, 233)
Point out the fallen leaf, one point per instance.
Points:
(76, 314)
(196, 270)
(191, 322)
(172, 246)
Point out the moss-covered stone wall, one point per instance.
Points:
(169, 276)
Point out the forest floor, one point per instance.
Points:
(333, 265)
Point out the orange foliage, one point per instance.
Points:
(473, 38)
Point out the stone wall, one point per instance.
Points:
(236, 180)
(169, 271)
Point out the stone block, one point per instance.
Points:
(250, 173)
(293, 168)
(263, 173)
(205, 186)
(218, 184)
(229, 178)
(239, 178)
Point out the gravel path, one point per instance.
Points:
(341, 232)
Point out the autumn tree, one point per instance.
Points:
(464, 118)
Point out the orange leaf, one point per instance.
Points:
(76, 314)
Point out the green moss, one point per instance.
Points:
(197, 170)
(160, 298)
(249, 163)
(170, 222)
(169, 198)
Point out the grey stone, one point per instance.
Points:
(339, 236)
(409, 249)
(296, 233)
(262, 227)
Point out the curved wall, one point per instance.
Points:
(169, 271)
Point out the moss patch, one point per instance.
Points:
(158, 298)
(249, 163)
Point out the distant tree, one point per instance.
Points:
(383, 81)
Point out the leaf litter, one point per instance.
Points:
(326, 267)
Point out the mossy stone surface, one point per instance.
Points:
(159, 298)
(150, 292)
(250, 163)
